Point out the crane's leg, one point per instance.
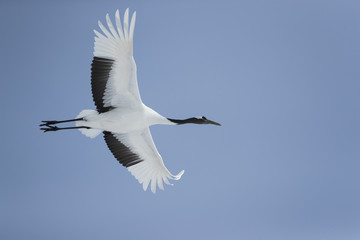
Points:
(50, 128)
(48, 123)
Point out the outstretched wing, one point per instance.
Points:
(113, 71)
(137, 152)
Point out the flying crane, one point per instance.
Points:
(120, 114)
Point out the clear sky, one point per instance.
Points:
(283, 78)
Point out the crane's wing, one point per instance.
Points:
(113, 71)
(137, 152)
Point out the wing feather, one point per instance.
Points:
(132, 26)
(118, 25)
(126, 24)
(111, 27)
(99, 35)
(159, 182)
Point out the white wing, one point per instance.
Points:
(137, 151)
(113, 76)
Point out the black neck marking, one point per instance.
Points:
(188, 120)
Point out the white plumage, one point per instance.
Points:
(120, 114)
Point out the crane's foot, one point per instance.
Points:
(47, 123)
(49, 128)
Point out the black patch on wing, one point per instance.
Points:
(121, 152)
(100, 72)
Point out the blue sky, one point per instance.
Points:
(282, 77)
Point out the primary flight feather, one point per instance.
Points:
(120, 114)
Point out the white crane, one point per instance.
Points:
(120, 114)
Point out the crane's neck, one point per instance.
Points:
(155, 118)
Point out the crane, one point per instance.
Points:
(120, 114)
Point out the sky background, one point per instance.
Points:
(283, 78)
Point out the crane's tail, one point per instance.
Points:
(90, 132)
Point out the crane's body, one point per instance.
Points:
(120, 113)
(122, 120)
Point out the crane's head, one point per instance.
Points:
(195, 120)
(204, 120)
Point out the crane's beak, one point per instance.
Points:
(214, 123)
